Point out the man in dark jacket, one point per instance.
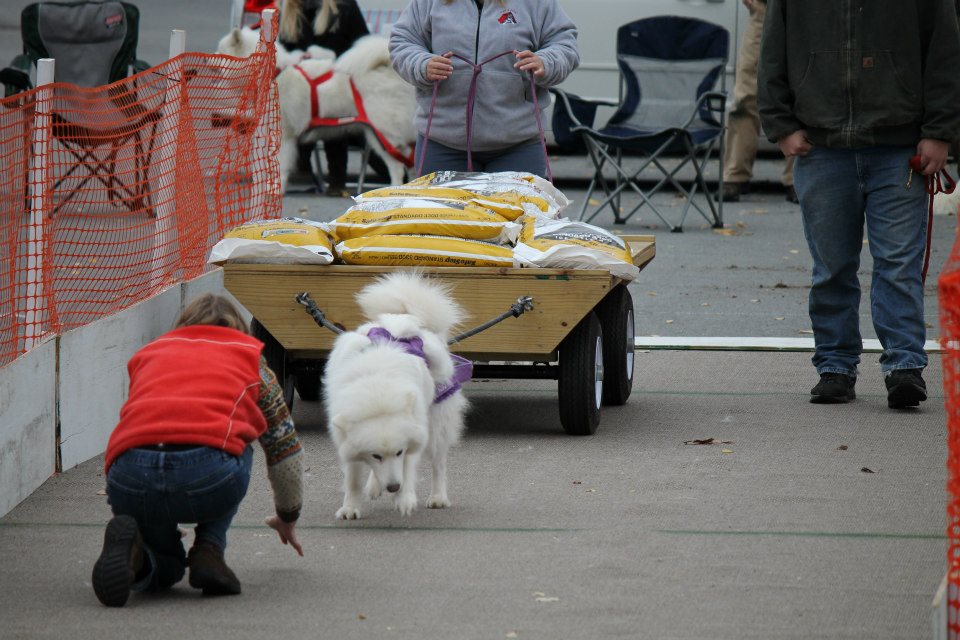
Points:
(854, 89)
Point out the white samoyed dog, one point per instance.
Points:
(387, 98)
(391, 392)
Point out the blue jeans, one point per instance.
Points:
(526, 156)
(163, 489)
(839, 190)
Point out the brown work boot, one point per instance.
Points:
(119, 563)
(209, 571)
(733, 190)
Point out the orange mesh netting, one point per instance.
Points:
(109, 195)
(949, 290)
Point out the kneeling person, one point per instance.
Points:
(199, 396)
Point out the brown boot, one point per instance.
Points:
(209, 571)
(119, 563)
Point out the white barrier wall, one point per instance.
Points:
(93, 372)
(85, 398)
(28, 423)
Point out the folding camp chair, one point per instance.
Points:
(94, 44)
(668, 68)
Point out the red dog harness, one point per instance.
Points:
(360, 118)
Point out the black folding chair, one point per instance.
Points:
(94, 44)
(669, 67)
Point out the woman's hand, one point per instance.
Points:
(285, 531)
(439, 67)
(529, 61)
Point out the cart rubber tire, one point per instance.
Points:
(580, 377)
(276, 357)
(308, 385)
(616, 319)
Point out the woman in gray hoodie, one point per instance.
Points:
(426, 47)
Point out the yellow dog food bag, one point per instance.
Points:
(507, 205)
(280, 241)
(426, 251)
(422, 216)
(565, 244)
(532, 189)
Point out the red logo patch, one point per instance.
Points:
(113, 20)
(507, 18)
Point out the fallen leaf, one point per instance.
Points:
(512, 634)
(704, 304)
(779, 318)
(867, 470)
(591, 490)
(102, 492)
(754, 300)
(593, 202)
(708, 441)
(726, 450)
(794, 251)
(360, 616)
(725, 232)
(741, 224)
(668, 321)
(842, 447)
(548, 599)
(652, 293)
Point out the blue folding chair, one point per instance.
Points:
(669, 67)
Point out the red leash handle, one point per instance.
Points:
(933, 185)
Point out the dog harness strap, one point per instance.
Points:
(462, 368)
(361, 117)
(471, 100)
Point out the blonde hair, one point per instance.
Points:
(291, 15)
(214, 310)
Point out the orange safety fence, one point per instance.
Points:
(949, 290)
(111, 194)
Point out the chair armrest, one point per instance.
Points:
(713, 101)
(16, 77)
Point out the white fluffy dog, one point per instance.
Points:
(387, 98)
(392, 393)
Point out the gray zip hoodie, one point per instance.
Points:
(503, 112)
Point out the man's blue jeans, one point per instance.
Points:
(163, 489)
(839, 190)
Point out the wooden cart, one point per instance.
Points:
(580, 331)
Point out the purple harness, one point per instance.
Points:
(462, 368)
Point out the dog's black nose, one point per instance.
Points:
(393, 488)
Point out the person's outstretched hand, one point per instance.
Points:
(933, 155)
(795, 144)
(439, 67)
(286, 532)
(529, 61)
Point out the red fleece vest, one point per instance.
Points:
(195, 385)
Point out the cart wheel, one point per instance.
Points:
(580, 377)
(308, 385)
(276, 357)
(616, 320)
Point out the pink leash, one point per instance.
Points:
(471, 99)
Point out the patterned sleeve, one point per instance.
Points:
(281, 447)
